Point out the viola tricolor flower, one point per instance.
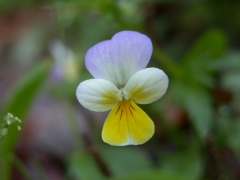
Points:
(121, 80)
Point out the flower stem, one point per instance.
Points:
(166, 61)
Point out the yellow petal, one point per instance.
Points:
(127, 124)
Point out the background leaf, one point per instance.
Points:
(187, 162)
(81, 165)
(208, 47)
(125, 160)
(18, 104)
(198, 105)
(152, 175)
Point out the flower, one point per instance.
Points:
(65, 67)
(121, 79)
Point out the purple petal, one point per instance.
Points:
(99, 62)
(131, 52)
(119, 58)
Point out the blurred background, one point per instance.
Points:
(42, 49)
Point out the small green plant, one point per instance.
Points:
(9, 119)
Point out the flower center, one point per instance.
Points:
(123, 95)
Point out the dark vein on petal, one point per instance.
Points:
(121, 114)
(131, 111)
(117, 110)
(132, 107)
(132, 114)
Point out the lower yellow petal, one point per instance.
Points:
(127, 124)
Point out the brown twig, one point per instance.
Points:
(212, 170)
(96, 155)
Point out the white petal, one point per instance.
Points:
(98, 94)
(146, 86)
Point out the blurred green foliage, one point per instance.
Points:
(197, 122)
(18, 104)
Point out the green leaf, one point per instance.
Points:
(22, 168)
(186, 162)
(125, 160)
(229, 131)
(199, 107)
(166, 61)
(230, 61)
(18, 104)
(196, 100)
(231, 81)
(152, 175)
(81, 165)
(209, 46)
(197, 63)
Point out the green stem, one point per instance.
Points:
(166, 61)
